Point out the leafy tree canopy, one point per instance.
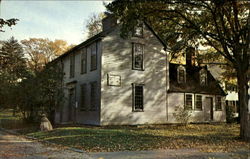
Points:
(8, 22)
(41, 51)
(94, 24)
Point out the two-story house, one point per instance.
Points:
(109, 80)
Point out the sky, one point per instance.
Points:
(49, 19)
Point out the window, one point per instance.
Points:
(93, 57)
(188, 102)
(72, 66)
(218, 103)
(138, 31)
(137, 97)
(138, 53)
(83, 97)
(181, 74)
(203, 77)
(84, 61)
(198, 102)
(93, 96)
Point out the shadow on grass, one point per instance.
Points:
(98, 139)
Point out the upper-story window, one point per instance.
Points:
(203, 76)
(181, 74)
(93, 65)
(84, 61)
(138, 56)
(138, 31)
(72, 66)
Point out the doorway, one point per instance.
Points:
(209, 113)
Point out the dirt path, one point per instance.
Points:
(15, 147)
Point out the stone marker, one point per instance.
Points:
(45, 124)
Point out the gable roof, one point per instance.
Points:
(102, 35)
(192, 84)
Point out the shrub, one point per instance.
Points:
(182, 115)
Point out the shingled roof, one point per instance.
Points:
(192, 84)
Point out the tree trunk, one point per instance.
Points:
(243, 103)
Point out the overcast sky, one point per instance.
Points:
(49, 19)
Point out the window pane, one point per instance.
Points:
(138, 97)
(203, 77)
(218, 103)
(72, 66)
(93, 95)
(94, 56)
(198, 102)
(138, 56)
(83, 97)
(181, 76)
(189, 100)
(84, 61)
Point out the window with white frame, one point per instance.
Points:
(218, 103)
(72, 66)
(137, 97)
(203, 76)
(198, 102)
(84, 61)
(83, 103)
(188, 101)
(137, 57)
(93, 65)
(181, 74)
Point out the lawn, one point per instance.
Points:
(206, 137)
(8, 121)
(7, 115)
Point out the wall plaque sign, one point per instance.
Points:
(114, 80)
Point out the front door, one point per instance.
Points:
(71, 104)
(208, 109)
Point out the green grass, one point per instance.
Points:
(8, 121)
(206, 137)
(7, 115)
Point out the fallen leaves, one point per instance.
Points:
(208, 138)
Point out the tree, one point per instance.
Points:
(41, 51)
(41, 93)
(94, 24)
(12, 71)
(8, 22)
(219, 24)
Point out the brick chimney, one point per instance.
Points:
(108, 22)
(190, 56)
